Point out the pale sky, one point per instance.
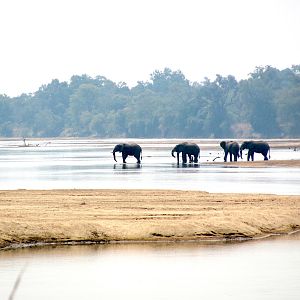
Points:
(127, 40)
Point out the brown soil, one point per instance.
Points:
(141, 215)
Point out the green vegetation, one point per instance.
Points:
(267, 104)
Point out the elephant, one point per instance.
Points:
(255, 146)
(190, 149)
(128, 149)
(233, 148)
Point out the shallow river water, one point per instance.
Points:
(89, 164)
(265, 269)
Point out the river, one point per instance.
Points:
(85, 164)
(265, 269)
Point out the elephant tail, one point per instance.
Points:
(141, 154)
(269, 153)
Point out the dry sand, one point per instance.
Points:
(59, 216)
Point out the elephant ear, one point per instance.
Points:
(222, 144)
(118, 148)
(248, 145)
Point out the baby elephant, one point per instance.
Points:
(232, 148)
(128, 149)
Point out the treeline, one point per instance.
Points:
(265, 105)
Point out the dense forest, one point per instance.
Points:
(265, 105)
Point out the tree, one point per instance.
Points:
(215, 101)
(83, 104)
(288, 111)
(6, 125)
(168, 105)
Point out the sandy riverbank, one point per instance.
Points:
(293, 163)
(141, 215)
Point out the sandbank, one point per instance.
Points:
(68, 216)
(293, 163)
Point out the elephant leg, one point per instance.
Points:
(190, 158)
(124, 156)
(225, 156)
(252, 156)
(196, 158)
(230, 156)
(178, 158)
(248, 155)
(235, 157)
(265, 155)
(184, 158)
(137, 156)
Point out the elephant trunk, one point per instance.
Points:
(173, 153)
(241, 153)
(114, 155)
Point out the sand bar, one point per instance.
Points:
(31, 216)
(293, 163)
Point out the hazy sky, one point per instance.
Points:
(126, 40)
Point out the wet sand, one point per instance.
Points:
(63, 216)
(260, 164)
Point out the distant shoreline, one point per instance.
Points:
(45, 217)
(204, 142)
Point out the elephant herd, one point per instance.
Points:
(235, 151)
(192, 150)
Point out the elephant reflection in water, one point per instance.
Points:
(126, 166)
(188, 165)
(256, 146)
(191, 150)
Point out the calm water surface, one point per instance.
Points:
(89, 164)
(266, 269)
